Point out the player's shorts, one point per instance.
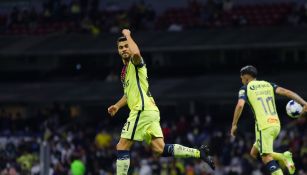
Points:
(142, 125)
(265, 139)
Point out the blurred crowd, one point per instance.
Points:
(88, 16)
(93, 143)
(81, 16)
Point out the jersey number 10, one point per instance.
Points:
(268, 105)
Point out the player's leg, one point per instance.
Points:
(284, 159)
(123, 156)
(280, 158)
(175, 150)
(254, 152)
(256, 149)
(266, 139)
(154, 132)
(154, 137)
(151, 132)
(289, 162)
(180, 151)
(126, 141)
(271, 165)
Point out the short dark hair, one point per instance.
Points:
(250, 70)
(122, 38)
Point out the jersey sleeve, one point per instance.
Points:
(142, 63)
(242, 93)
(275, 86)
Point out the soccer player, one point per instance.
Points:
(143, 123)
(260, 95)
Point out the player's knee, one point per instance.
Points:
(272, 166)
(122, 145)
(119, 146)
(158, 146)
(253, 154)
(266, 158)
(157, 150)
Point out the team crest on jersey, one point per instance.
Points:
(125, 84)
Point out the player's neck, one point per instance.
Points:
(126, 62)
(250, 80)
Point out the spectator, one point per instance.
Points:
(174, 27)
(88, 26)
(145, 169)
(112, 77)
(103, 140)
(15, 16)
(227, 5)
(75, 10)
(85, 15)
(77, 167)
(46, 12)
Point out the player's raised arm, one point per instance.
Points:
(292, 95)
(112, 110)
(135, 51)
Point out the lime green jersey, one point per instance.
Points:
(136, 87)
(260, 95)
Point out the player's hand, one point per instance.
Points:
(112, 110)
(233, 131)
(126, 32)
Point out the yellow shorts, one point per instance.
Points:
(265, 139)
(142, 125)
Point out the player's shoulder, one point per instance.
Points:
(265, 81)
(274, 85)
(134, 67)
(139, 65)
(242, 92)
(244, 87)
(258, 83)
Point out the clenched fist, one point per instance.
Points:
(233, 130)
(126, 32)
(112, 110)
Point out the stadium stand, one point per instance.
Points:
(59, 71)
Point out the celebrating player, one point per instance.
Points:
(260, 96)
(143, 122)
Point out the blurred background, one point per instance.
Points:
(59, 71)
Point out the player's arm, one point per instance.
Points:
(292, 95)
(135, 51)
(238, 110)
(236, 116)
(112, 110)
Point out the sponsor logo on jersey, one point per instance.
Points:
(126, 84)
(272, 120)
(255, 87)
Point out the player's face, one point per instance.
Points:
(244, 79)
(123, 50)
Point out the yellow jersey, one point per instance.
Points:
(136, 87)
(260, 95)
